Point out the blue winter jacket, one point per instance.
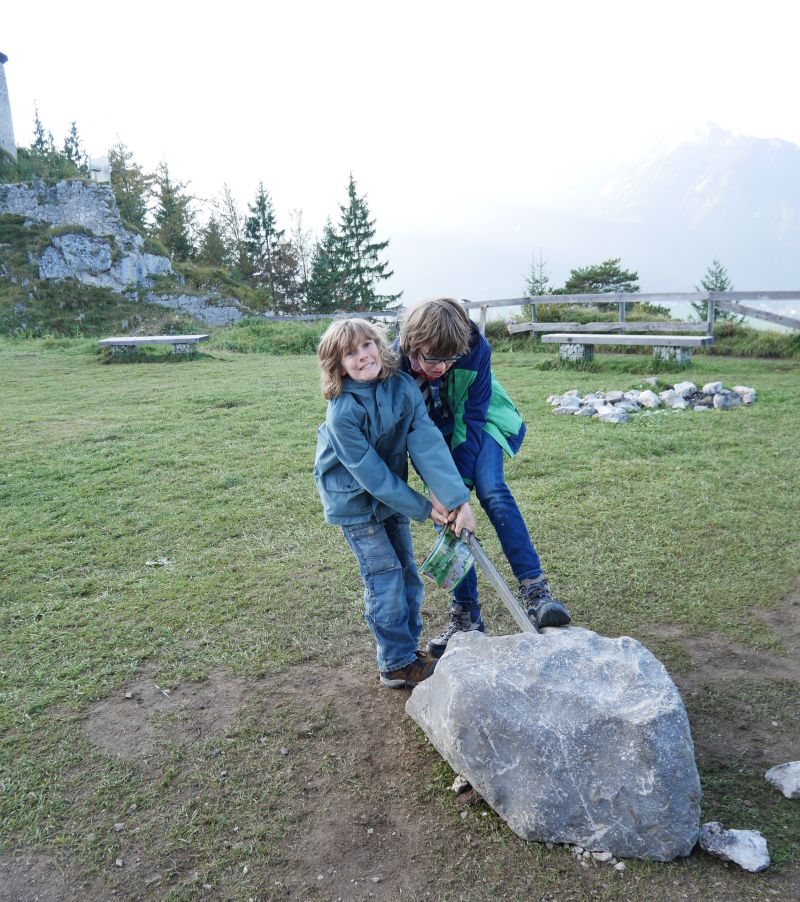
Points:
(469, 401)
(361, 466)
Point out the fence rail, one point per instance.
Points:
(725, 300)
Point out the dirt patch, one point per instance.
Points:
(37, 878)
(143, 715)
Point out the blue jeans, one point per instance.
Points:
(393, 590)
(504, 514)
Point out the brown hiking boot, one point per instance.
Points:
(411, 674)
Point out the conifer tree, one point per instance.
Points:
(40, 142)
(325, 282)
(132, 186)
(359, 256)
(715, 279)
(538, 281)
(174, 216)
(212, 250)
(272, 259)
(73, 150)
(232, 231)
(607, 277)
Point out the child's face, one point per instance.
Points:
(433, 366)
(362, 361)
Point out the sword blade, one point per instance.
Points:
(493, 575)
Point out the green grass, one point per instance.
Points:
(674, 518)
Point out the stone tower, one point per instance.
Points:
(7, 142)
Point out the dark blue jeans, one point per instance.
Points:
(504, 514)
(393, 590)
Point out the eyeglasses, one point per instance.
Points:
(435, 360)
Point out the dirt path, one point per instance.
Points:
(368, 814)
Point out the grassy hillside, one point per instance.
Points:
(160, 528)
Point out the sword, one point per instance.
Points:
(491, 572)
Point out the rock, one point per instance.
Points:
(460, 784)
(602, 856)
(748, 395)
(685, 388)
(571, 737)
(632, 395)
(619, 866)
(585, 412)
(649, 399)
(726, 400)
(711, 388)
(616, 417)
(572, 393)
(697, 407)
(652, 380)
(786, 777)
(629, 406)
(747, 848)
(613, 396)
(566, 410)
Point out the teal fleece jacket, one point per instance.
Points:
(361, 466)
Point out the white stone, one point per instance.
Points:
(632, 395)
(460, 784)
(649, 399)
(726, 400)
(699, 407)
(614, 396)
(711, 388)
(585, 412)
(685, 388)
(565, 410)
(572, 393)
(786, 777)
(747, 848)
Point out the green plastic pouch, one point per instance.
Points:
(449, 561)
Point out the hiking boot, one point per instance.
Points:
(460, 622)
(413, 673)
(543, 609)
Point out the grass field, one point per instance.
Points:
(159, 526)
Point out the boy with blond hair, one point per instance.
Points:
(451, 362)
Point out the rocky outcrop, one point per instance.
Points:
(570, 736)
(100, 251)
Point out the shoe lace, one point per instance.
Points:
(535, 593)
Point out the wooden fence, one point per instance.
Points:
(730, 301)
(724, 300)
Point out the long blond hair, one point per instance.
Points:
(340, 337)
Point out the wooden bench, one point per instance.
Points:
(181, 344)
(580, 345)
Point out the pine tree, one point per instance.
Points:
(358, 256)
(325, 280)
(40, 143)
(174, 216)
(132, 186)
(73, 150)
(603, 278)
(272, 258)
(538, 281)
(212, 250)
(715, 279)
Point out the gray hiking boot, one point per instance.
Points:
(543, 609)
(460, 622)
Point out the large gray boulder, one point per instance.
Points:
(570, 736)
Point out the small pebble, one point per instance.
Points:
(245, 869)
(119, 827)
(376, 879)
(284, 751)
(119, 862)
(464, 814)
(602, 856)
(370, 831)
(128, 695)
(619, 866)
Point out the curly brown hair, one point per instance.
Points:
(338, 339)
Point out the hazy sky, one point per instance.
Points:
(440, 109)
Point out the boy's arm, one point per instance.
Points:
(432, 459)
(354, 451)
(468, 435)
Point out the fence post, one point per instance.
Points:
(482, 324)
(622, 311)
(711, 314)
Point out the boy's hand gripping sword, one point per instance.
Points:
(493, 575)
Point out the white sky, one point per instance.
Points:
(439, 108)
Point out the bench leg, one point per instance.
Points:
(679, 355)
(184, 347)
(576, 352)
(123, 349)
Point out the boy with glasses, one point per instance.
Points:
(451, 361)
